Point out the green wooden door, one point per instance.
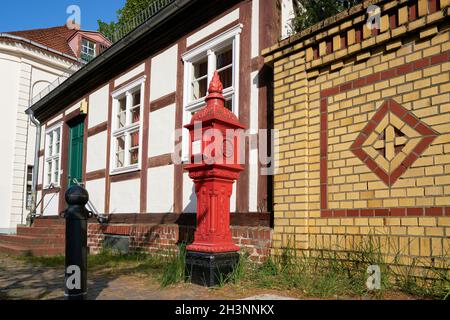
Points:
(76, 133)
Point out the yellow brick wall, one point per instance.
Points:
(301, 77)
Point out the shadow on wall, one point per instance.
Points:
(191, 207)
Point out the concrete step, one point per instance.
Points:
(38, 251)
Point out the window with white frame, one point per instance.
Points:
(126, 139)
(53, 156)
(222, 54)
(88, 50)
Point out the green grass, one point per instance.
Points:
(174, 271)
(50, 262)
(334, 274)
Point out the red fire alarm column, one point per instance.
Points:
(214, 151)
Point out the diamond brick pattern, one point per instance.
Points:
(392, 141)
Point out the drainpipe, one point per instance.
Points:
(32, 213)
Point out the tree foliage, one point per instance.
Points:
(124, 15)
(310, 12)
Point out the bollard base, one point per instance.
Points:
(210, 269)
(75, 297)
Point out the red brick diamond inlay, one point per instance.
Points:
(392, 141)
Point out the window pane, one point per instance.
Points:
(120, 152)
(134, 147)
(50, 144)
(56, 172)
(200, 79)
(121, 116)
(57, 141)
(136, 111)
(199, 89)
(229, 104)
(200, 68)
(224, 57)
(224, 64)
(49, 172)
(137, 98)
(226, 76)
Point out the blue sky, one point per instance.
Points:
(32, 14)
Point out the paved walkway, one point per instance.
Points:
(22, 280)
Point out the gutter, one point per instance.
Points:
(35, 166)
(41, 46)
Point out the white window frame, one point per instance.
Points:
(83, 46)
(52, 158)
(129, 128)
(231, 36)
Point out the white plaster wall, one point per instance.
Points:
(213, 27)
(233, 199)
(41, 170)
(96, 189)
(161, 131)
(9, 89)
(164, 73)
(160, 189)
(38, 199)
(51, 204)
(54, 121)
(41, 77)
(74, 107)
(96, 152)
(125, 196)
(190, 198)
(132, 73)
(98, 106)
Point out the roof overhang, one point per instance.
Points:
(169, 25)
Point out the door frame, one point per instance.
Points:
(73, 123)
(71, 117)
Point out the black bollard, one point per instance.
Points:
(76, 216)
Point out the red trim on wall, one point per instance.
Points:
(162, 102)
(358, 83)
(145, 137)
(97, 129)
(178, 168)
(243, 183)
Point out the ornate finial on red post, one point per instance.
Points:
(215, 90)
(216, 85)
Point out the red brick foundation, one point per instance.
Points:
(153, 238)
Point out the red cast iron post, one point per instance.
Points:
(214, 167)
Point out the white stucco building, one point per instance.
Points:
(30, 61)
